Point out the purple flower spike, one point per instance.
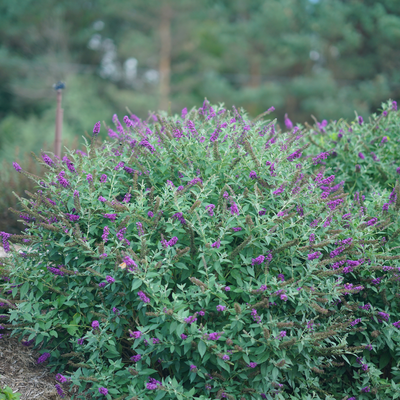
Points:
(253, 175)
(143, 297)
(43, 358)
(96, 128)
(47, 159)
(288, 122)
(17, 167)
(103, 390)
(59, 390)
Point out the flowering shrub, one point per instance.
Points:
(362, 154)
(203, 260)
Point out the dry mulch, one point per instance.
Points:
(20, 371)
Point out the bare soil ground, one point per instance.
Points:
(20, 371)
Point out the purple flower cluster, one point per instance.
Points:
(139, 227)
(6, 245)
(255, 316)
(130, 263)
(334, 203)
(170, 243)
(55, 271)
(313, 256)
(253, 175)
(179, 217)
(106, 232)
(319, 157)
(136, 358)
(135, 335)
(143, 297)
(191, 319)
(47, 160)
(258, 260)
(337, 251)
(43, 358)
(96, 128)
(152, 384)
(111, 217)
(145, 143)
(72, 217)
(214, 336)
(59, 390)
(294, 156)
(210, 209)
(61, 378)
(63, 182)
(279, 190)
(216, 244)
(17, 167)
(69, 163)
(119, 165)
(383, 316)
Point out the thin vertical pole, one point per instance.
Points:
(59, 121)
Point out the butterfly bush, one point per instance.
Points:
(363, 155)
(218, 276)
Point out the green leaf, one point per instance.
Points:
(384, 360)
(136, 284)
(172, 327)
(202, 348)
(71, 329)
(24, 289)
(160, 395)
(147, 371)
(223, 364)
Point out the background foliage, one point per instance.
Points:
(325, 58)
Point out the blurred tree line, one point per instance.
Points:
(321, 57)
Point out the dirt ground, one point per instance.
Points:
(20, 371)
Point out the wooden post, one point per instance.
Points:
(59, 119)
(165, 55)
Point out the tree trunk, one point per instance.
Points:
(165, 56)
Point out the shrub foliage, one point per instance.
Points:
(202, 256)
(363, 154)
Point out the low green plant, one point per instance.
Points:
(202, 257)
(7, 394)
(363, 154)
